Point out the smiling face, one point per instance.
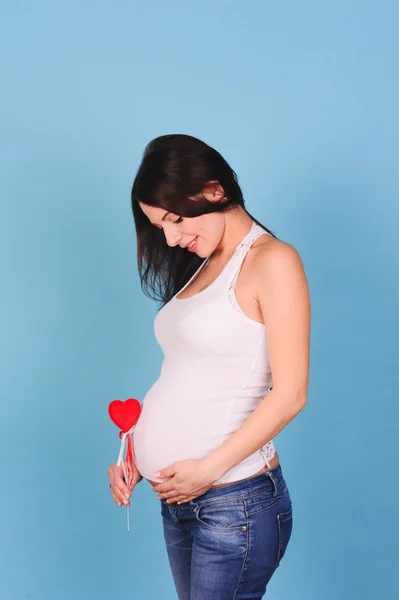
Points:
(206, 230)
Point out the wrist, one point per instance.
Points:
(214, 466)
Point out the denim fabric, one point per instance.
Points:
(227, 543)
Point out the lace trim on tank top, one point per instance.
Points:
(242, 249)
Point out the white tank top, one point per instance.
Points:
(215, 372)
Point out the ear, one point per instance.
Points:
(213, 191)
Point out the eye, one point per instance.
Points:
(179, 220)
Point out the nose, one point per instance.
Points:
(172, 239)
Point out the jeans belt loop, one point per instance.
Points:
(274, 481)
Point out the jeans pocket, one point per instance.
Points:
(284, 522)
(222, 515)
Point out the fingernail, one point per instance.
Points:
(126, 495)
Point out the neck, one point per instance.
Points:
(237, 225)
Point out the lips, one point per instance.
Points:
(194, 247)
(189, 243)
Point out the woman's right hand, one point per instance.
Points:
(121, 491)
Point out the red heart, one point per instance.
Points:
(124, 414)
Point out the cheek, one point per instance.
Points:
(189, 230)
(197, 226)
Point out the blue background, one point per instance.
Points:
(301, 98)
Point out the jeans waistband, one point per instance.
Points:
(274, 477)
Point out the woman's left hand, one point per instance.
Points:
(187, 480)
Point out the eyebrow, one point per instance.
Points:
(163, 218)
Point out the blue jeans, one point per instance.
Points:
(227, 543)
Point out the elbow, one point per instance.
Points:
(293, 399)
(300, 401)
(296, 401)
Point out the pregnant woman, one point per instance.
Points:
(234, 327)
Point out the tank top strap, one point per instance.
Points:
(241, 251)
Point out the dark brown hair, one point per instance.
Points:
(173, 172)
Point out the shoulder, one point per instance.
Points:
(277, 262)
(272, 252)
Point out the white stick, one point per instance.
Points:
(127, 507)
(121, 462)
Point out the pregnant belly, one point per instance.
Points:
(163, 435)
(174, 425)
(179, 421)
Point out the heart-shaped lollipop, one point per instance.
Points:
(124, 413)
